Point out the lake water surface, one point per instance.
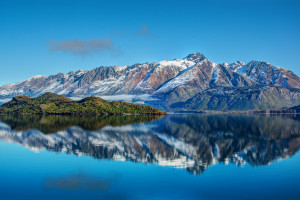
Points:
(182, 156)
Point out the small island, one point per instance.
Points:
(50, 103)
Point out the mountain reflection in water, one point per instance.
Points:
(190, 141)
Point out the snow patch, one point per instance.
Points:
(215, 72)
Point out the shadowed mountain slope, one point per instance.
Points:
(162, 84)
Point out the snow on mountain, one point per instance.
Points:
(265, 73)
(181, 78)
(161, 69)
(215, 73)
(167, 81)
(136, 79)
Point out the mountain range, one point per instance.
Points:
(193, 83)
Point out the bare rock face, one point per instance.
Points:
(160, 83)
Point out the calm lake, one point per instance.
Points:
(180, 156)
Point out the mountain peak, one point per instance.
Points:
(196, 57)
(163, 83)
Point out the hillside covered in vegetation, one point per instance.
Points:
(50, 103)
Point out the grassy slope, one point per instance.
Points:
(50, 103)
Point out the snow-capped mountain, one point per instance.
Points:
(160, 83)
(176, 140)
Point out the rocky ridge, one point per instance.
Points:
(165, 83)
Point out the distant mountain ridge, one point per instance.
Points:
(167, 84)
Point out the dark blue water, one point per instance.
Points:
(175, 157)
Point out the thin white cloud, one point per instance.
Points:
(144, 31)
(80, 47)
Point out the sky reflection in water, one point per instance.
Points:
(232, 156)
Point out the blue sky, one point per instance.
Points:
(47, 37)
